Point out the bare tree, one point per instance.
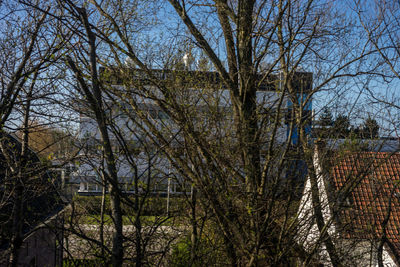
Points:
(97, 104)
(249, 176)
(94, 96)
(26, 51)
(245, 150)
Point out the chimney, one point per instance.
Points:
(187, 61)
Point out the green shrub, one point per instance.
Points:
(180, 255)
(86, 263)
(154, 206)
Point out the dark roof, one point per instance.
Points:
(371, 209)
(40, 197)
(198, 79)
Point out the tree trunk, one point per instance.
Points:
(194, 236)
(95, 100)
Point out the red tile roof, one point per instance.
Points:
(371, 208)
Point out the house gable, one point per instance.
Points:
(360, 195)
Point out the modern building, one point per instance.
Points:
(198, 88)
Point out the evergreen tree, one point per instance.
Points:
(370, 128)
(326, 118)
(341, 126)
